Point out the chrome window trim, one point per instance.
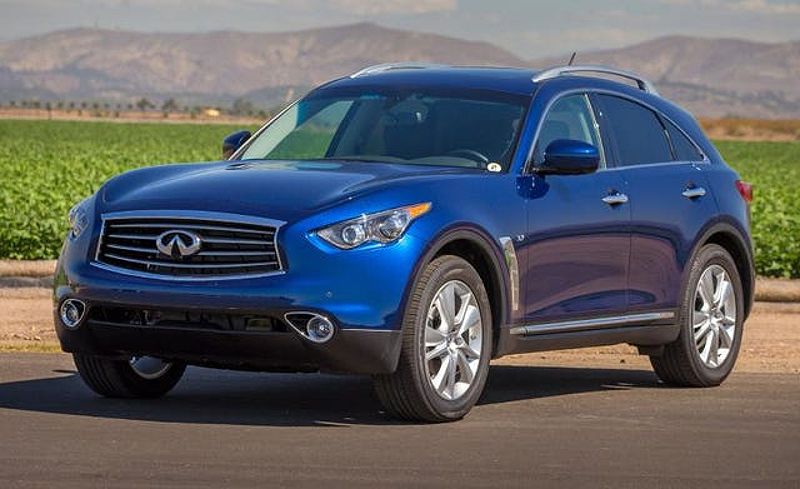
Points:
(189, 214)
(528, 166)
(585, 95)
(590, 324)
(602, 91)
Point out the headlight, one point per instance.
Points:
(382, 227)
(78, 218)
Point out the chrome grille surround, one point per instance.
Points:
(233, 246)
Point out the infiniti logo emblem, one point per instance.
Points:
(178, 243)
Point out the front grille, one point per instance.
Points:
(226, 247)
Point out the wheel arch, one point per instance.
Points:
(733, 240)
(475, 246)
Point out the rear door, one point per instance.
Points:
(668, 196)
(578, 241)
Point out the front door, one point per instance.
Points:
(578, 241)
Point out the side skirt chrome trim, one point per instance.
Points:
(590, 324)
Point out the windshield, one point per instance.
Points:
(471, 129)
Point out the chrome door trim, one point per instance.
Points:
(590, 324)
(513, 269)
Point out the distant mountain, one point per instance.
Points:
(80, 63)
(711, 77)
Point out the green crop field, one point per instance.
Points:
(46, 166)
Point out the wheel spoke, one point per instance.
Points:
(713, 351)
(451, 376)
(725, 337)
(701, 332)
(466, 301)
(447, 305)
(433, 336)
(444, 323)
(438, 379)
(436, 351)
(699, 318)
(467, 372)
(706, 347)
(723, 292)
(706, 290)
(470, 318)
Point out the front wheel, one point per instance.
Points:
(447, 345)
(147, 377)
(711, 320)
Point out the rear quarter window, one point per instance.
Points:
(685, 150)
(639, 135)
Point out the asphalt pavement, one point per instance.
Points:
(535, 427)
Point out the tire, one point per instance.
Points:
(118, 378)
(682, 362)
(411, 392)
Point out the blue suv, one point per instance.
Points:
(413, 222)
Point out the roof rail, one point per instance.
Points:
(371, 70)
(643, 84)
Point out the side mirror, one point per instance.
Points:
(569, 157)
(233, 142)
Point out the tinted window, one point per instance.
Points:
(410, 126)
(638, 132)
(569, 118)
(685, 150)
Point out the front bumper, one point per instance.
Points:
(363, 292)
(350, 350)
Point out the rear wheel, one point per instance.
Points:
(711, 319)
(147, 377)
(447, 344)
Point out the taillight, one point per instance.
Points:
(745, 190)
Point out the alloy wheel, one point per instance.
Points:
(714, 316)
(453, 340)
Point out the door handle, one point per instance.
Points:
(615, 199)
(693, 192)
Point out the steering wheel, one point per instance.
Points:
(470, 154)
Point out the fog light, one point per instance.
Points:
(312, 326)
(319, 329)
(71, 312)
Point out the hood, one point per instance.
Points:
(284, 190)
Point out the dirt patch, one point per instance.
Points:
(777, 290)
(771, 342)
(28, 317)
(27, 268)
(737, 129)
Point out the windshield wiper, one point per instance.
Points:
(359, 159)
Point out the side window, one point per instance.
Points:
(570, 117)
(640, 137)
(684, 149)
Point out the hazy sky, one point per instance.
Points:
(529, 28)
